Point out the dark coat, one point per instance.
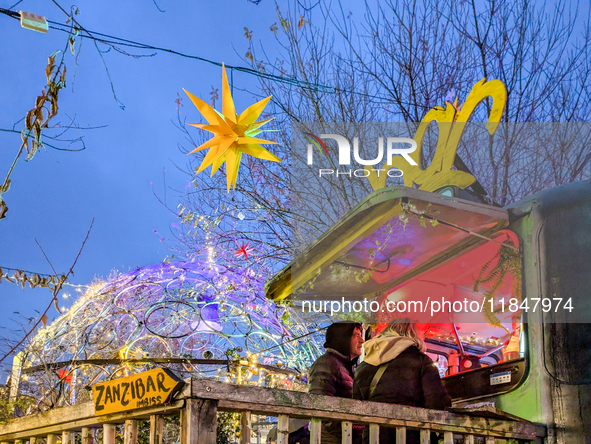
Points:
(332, 375)
(410, 379)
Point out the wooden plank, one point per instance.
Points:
(130, 432)
(52, 439)
(374, 434)
(283, 430)
(94, 421)
(68, 437)
(347, 432)
(55, 416)
(448, 438)
(400, 435)
(277, 402)
(18, 441)
(108, 433)
(425, 436)
(333, 407)
(33, 440)
(490, 440)
(469, 439)
(298, 412)
(315, 431)
(75, 418)
(269, 401)
(86, 436)
(245, 427)
(156, 429)
(486, 411)
(199, 421)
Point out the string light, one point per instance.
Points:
(184, 309)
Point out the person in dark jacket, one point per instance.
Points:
(332, 373)
(397, 371)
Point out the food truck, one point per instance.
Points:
(525, 270)
(501, 295)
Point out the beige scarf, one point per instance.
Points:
(386, 347)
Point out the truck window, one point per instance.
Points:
(486, 334)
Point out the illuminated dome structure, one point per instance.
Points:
(195, 318)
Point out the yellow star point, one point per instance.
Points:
(234, 134)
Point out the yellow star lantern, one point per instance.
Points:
(233, 135)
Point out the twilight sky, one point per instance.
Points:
(54, 196)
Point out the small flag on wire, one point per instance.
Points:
(33, 21)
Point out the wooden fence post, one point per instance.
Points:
(283, 430)
(315, 431)
(425, 436)
(199, 421)
(131, 430)
(347, 428)
(469, 439)
(400, 435)
(108, 433)
(52, 439)
(374, 434)
(68, 437)
(86, 436)
(245, 427)
(156, 429)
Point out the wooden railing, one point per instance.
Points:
(200, 400)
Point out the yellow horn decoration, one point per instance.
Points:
(439, 173)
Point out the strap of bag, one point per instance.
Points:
(376, 378)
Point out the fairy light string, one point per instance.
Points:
(206, 320)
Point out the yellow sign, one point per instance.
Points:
(133, 392)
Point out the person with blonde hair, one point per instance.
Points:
(396, 370)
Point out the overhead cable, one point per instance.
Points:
(292, 81)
